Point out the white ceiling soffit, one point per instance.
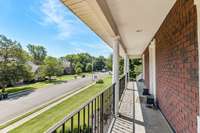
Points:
(138, 21)
(91, 14)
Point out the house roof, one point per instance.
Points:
(34, 67)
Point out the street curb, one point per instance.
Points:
(11, 95)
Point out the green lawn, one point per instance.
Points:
(33, 86)
(47, 119)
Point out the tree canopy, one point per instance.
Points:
(13, 67)
(52, 67)
(86, 61)
(38, 53)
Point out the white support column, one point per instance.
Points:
(126, 69)
(197, 3)
(115, 78)
(152, 68)
(143, 65)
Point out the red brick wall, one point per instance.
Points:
(177, 67)
(146, 60)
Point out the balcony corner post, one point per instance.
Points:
(126, 60)
(197, 3)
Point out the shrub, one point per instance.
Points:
(100, 81)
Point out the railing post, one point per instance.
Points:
(79, 122)
(63, 128)
(89, 118)
(92, 118)
(95, 106)
(72, 124)
(84, 125)
(113, 88)
(101, 114)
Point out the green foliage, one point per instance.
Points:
(51, 67)
(78, 65)
(84, 59)
(99, 63)
(89, 67)
(135, 67)
(78, 70)
(38, 53)
(121, 66)
(109, 62)
(13, 67)
(100, 81)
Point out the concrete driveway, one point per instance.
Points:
(13, 107)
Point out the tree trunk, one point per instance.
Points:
(3, 89)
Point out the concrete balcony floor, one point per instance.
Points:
(135, 116)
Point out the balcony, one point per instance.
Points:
(166, 35)
(98, 114)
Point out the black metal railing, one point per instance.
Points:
(121, 85)
(94, 116)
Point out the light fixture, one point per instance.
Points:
(139, 30)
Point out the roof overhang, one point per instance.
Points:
(135, 21)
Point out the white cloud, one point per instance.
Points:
(95, 49)
(94, 46)
(53, 13)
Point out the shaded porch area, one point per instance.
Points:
(135, 116)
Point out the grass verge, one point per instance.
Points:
(38, 85)
(47, 119)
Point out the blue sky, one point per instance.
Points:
(51, 24)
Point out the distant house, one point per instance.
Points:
(34, 67)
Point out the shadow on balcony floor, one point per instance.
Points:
(133, 109)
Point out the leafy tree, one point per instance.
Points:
(38, 53)
(99, 63)
(78, 70)
(51, 67)
(81, 58)
(89, 67)
(109, 62)
(12, 62)
(121, 66)
(78, 65)
(84, 58)
(135, 67)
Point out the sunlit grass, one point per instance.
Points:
(38, 85)
(47, 119)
